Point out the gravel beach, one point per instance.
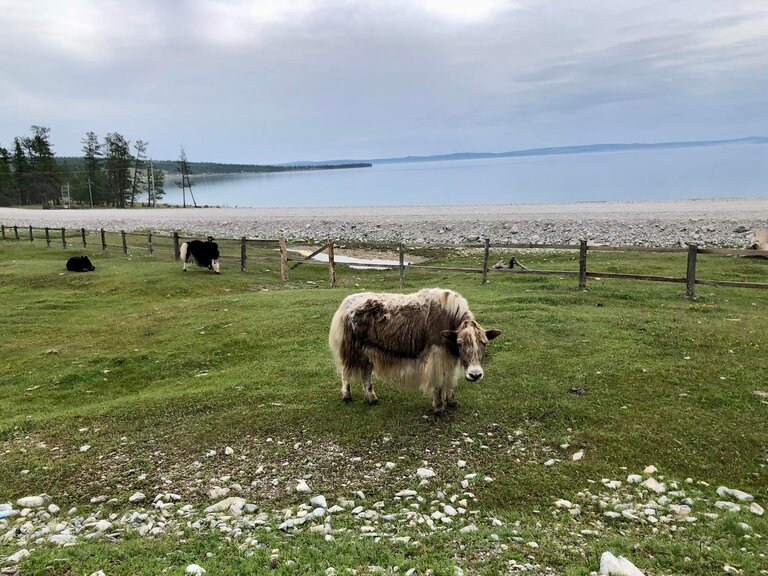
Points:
(727, 222)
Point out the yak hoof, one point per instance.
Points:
(439, 413)
(347, 399)
(373, 401)
(453, 405)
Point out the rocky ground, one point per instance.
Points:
(716, 223)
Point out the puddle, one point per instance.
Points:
(352, 261)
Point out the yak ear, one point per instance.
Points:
(449, 335)
(491, 334)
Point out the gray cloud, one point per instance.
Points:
(273, 81)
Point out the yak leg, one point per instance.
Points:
(450, 400)
(370, 395)
(438, 401)
(346, 393)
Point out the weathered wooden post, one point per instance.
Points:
(31, 238)
(64, 237)
(103, 240)
(125, 244)
(82, 235)
(2, 230)
(16, 232)
(486, 255)
(690, 275)
(243, 244)
(583, 264)
(283, 259)
(149, 243)
(176, 249)
(331, 266)
(47, 236)
(401, 253)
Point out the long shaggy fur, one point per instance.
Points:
(410, 339)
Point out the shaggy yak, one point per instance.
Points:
(421, 340)
(205, 254)
(80, 264)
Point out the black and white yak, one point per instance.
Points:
(205, 254)
(80, 264)
(424, 340)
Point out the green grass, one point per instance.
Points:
(153, 368)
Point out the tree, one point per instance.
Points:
(117, 163)
(8, 192)
(156, 179)
(186, 181)
(141, 150)
(94, 184)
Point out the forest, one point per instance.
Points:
(112, 172)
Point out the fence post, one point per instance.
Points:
(103, 240)
(283, 259)
(486, 254)
(690, 275)
(2, 230)
(331, 266)
(401, 254)
(16, 232)
(125, 245)
(64, 237)
(176, 249)
(30, 234)
(82, 235)
(583, 264)
(149, 243)
(47, 236)
(242, 254)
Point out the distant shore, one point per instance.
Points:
(710, 222)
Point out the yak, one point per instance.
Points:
(424, 340)
(80, 264)
(205, 254)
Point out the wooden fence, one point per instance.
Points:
(171, 245)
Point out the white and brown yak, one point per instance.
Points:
(759, 240)
(422, 340)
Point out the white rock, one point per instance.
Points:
(232, 503)
(406, 493)
(468, 528)
(620, 566)
(634, 479)
(102, 526)
(137, 497)
(550, 462)
(738, 494)
(450, 510)
(53, 509)
(563, 503)
(389, 465)
(302, 487)
(731, 569)
(217, 492)
(755, 508)
(228, 451)
(99, 573)
(727, 506)
(30, 502)
(319, 502)
(655, 485)
(532, 544)
(16, 558)
(650, 469)
(578, 456)
(461, 463)
(424, 473)
(195, 570)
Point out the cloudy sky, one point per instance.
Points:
(280, 80)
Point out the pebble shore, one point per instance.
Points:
(728, 222)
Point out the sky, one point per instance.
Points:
(270, 81)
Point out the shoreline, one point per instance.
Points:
(726, 222)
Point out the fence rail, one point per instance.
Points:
(171, 245)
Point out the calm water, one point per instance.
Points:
(725, 171)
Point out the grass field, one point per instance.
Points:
(155, 369)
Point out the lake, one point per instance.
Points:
(706, 172)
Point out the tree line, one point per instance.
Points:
(110, 173)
